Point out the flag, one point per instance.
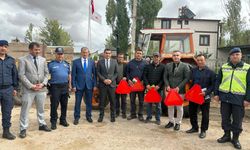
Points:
(94, 15)
(92, 6)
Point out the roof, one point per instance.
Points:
(162, 18)
(172, 30)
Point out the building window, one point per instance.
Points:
(204, 40)
(186, 22)
(166, 24)
(179, 21)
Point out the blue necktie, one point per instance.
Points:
(85, 66)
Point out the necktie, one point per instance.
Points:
(85, 66)
(35, 62)
(107, 64)
(176, 68)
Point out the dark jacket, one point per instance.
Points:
(178, 79)
(153, 75)
(122, 74)
(103, 73)
(205, 78)
(229, 97)
(8, 72)
(135, 69)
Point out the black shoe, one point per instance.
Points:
(89, 120)
(169, 125)
(53, 126)
(147, 120)
(112, 119)
(76, 122)
(177, 127)
(44, 128)
(225, 138)
(140, 118)
(100, 119)
(8, 135)
(124, 116)
(192, 130)
(158, 122)
(22, 134)
(64, 123)
(131, 117)
(202, 134)
(236, 141)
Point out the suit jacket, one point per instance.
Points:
(103, 73)
(79, 78)
(179, 78)
(29, 75)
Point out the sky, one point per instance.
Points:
(16, 15)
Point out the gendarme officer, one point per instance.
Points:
(8, 85)
(59, 87)
(233, 90)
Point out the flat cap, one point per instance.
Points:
(59, 50)
(235, 50)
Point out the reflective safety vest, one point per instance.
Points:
(234, 80)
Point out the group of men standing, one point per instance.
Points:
(232, 87)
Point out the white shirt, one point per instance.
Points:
(83, 62)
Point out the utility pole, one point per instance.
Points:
(133, 30)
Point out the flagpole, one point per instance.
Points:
(89, 26)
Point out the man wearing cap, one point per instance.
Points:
(83, 82)
(176, 75)
(60, 84)
(233, 90)
(8, 86)
(33, 74)
(153, 78)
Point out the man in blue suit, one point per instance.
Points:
(83, 82)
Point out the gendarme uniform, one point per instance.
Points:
(233, 87)
(8, 82)
(59, 85)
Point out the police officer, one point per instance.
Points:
(233, 90)
(59, 87)
(8, 86)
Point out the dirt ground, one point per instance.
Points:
(122, 134)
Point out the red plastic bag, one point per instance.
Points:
(152, 96)
(173, 99)
(193, 95)
(123, 87)
(137, 86)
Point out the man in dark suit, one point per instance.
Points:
(107, 74)
(176, 76)
(83, 81)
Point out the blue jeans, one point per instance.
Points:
(157, 111)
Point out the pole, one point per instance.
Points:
(89, 26)
(133, 30)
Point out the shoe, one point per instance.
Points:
(44, 128)
(235, 141)
(177, 127)
(192, 130)
(124, 116)
(147, 120)
(22, 134)
(8, 135)
(53, 126)
(100, 119)
(202, 135)
(158, 122)
(225, 138)
(112, 119)
(140, 118)
(76, 121)
(64, 123)
(89, 120)
(131, 117)
(169, 125)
